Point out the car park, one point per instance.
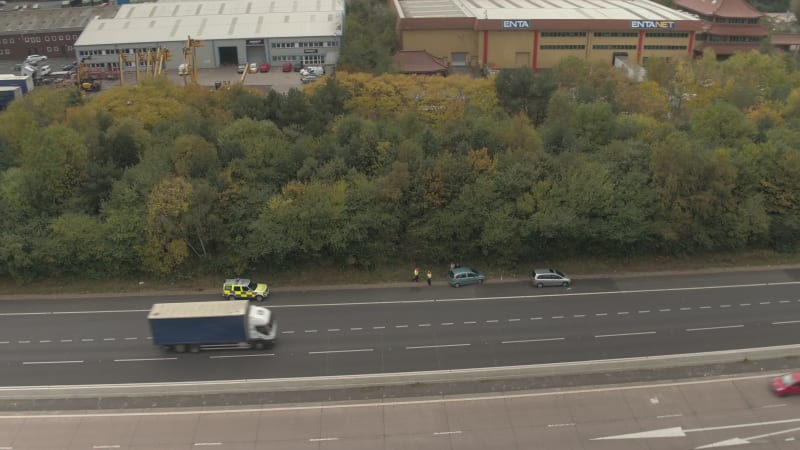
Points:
(286, 67)
(35, 59)
(462, 276)
(308, 78)
(263, 67)
(17, 67)
(297, 66)
(69, 67)
(549, 277)
(44, 70)
(786, 384)
(313, 70)
(240, 68)
(252, 68)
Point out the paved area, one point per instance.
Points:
(275, 79)
(683, 415)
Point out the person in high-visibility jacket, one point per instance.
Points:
(430, 275)
(416, 274)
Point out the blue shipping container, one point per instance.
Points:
(199, 330)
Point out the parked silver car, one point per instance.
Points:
(549, 277)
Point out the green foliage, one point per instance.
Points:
(364, 169)
(369, 37)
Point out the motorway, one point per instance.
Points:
(698, 414)
(384, 330)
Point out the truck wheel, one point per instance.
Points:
(231, 297)
(259, 298)
(258, 346)
(180, 348)
(194, 348)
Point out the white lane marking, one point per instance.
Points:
(536, 318)
(380, 327)
(287, 332)
(785, 301)
(714, 328)
(779, 405)
(31, 363)
(23, 342)
(45, 341)
(644, 311)
(764, 303)
(601, 314)
(87, 340)
(622, 313)
(559, 425)
(109, 339)
(106, 446)
(624, 334)
(401, 326)
(253, 355)
(470, 299)
(557, 317)
(341, 351)
(726, 380)
(441, 433)
(669, 416)
(323, 439)
(356, 329)
(65, 340)
(5, 342)
(665, 310)
(471, 322)
(578, 315)
(146, 359)
(492, 321)
(447, 324)
(744, 304)
(311, 331)
(437, 346)
(423, 325)
(786, 322)
(705, 307)
(724, 306)
(206, 444)
(686, 308)
(334, 329)
(532, 340)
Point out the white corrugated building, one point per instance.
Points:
(231, 31)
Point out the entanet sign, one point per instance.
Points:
(653, 24)
(517, 24)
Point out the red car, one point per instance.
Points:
(286, 67)
(263, 67)
(786, 384)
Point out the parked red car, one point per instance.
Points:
(786, 384)
(263, 67)
(286, 67)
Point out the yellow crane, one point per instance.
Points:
(189, 66)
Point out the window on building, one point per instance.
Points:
(67, 37)
(605, 34)
(60, 37)
(69, 48)
(562, 47)
(49, 49)
(666, 47)
(47, 38)
(10, 40)
(563, 34)
(56, 49)
(653, 34)
(5, 41)
(752, 21)
(614, 47)
(718, 38)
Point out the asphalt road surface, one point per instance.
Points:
(716, 413)
(336, 332)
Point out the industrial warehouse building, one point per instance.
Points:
(540, 33)
(230, 32)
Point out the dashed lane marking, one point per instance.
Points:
(287, 332)
(622, 313)
(323, 439)
(442, 433)
(358, 350)
(436, 346)
(492, 321)
(311, 331)
(447, 324)
(513, 320)
(356, 329)
(705, 307)
(714, 328)
(523, 341)
(23, 342)
(557, 317)
(423, 325)
(665, 310)
(640, 333)
(109, 339)
(87, 340)
(470, 322)
(249, 355)
(601, 314)
(381, 327)
(65, 340)
(786, 322)
(669, 416)
(334, 329)
(744, 304)
(401, 326)
(578, 316)
(146, 359)
(559, 425)
(644, 311)
(33, 363)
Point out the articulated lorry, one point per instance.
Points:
(224, 324)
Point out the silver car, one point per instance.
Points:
(549, 277)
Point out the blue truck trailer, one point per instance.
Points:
(224, 324)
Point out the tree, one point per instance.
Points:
(722, 125)
(167, 246)
(522, 90)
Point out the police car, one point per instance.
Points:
(244, 288)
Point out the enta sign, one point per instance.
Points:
(517, 24)
(653, 24)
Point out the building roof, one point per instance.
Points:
(225, 308)
(540, 9)
(212, 20)
(418, 61)
(785, 39)
(720, 29)
(722, 8)
(56, 19)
